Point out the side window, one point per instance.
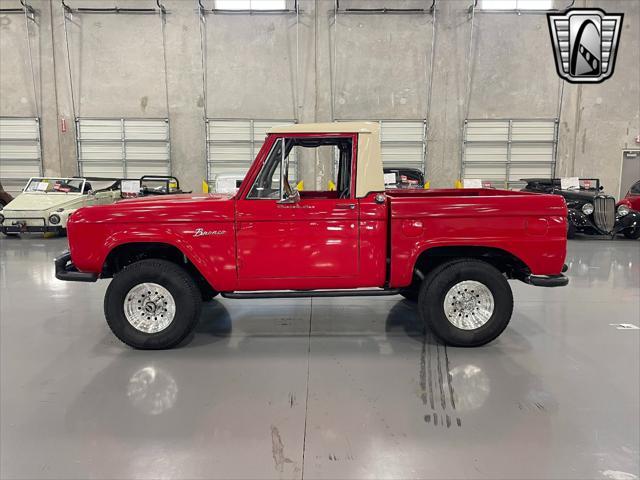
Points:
(635, 189)
(306, 153)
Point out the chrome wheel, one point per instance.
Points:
(149, 307)
(468, 305)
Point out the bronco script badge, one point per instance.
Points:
(585, 43)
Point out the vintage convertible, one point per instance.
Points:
(45, 204)
(588, 209)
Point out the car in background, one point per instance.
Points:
(589, 210)
(632, 201)
(4, 197)
(402, 178)
(159, 185)
(45, 203)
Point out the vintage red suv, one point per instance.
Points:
(452, 251)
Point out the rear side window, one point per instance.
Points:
(635, 188)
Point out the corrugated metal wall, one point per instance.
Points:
(20, 151)
(505, 151)
(123, 147)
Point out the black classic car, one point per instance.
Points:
(589, 209)
(403, 177)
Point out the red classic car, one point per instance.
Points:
(632, 202)
(451, 250)
(632, 198)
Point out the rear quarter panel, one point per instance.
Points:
(530, 226)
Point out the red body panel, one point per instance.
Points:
(531, 227)
(323, 241)
(630, 200)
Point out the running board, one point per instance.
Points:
(378, 292)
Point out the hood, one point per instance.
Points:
(174, 199)
(161, 209)
(42, 201)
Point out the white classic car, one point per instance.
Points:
(46, 203)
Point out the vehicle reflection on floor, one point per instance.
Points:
(355, 386)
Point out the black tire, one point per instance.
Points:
(11, 235)
(442, 279)
(172, 277)
(571, 230)
(632, 233)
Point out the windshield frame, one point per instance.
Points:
(83, 181)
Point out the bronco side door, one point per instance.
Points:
(296, 236)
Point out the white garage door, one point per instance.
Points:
(233, 144)
(403, 143)
(505, 151)
(20, 152)
(123, 147)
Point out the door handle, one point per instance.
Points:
(346, 206)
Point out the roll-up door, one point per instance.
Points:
(232, 146)
(20, 152)
(505, 151)
(123, 147)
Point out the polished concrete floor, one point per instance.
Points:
(323, 388)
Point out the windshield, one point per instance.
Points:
(55, 185)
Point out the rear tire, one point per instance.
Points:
(159, 319)
(481, 294)
(571, 231)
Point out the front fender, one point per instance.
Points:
(630, 220)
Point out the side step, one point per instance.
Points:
(377, 292)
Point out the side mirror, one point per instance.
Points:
(601, 188)
(291, 199)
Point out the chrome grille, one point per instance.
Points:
(604, 212)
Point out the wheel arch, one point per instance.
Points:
(506, 262)
(124, 254)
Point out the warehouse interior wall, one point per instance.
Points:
(310, 67)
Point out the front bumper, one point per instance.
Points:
(66, 270)
(630, 221)
(583, 223)
(26, 225)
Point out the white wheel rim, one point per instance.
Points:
(469, 305)
(149, 307)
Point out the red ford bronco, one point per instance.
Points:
(451, 251)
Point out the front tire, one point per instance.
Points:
(632, 233)
(466, 303)
(152, 304)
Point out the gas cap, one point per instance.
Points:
(412, 228)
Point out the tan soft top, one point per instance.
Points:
(335, 127)
(369, 169)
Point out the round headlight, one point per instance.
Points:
(623, 210)
(54, 219)
(587, 208)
